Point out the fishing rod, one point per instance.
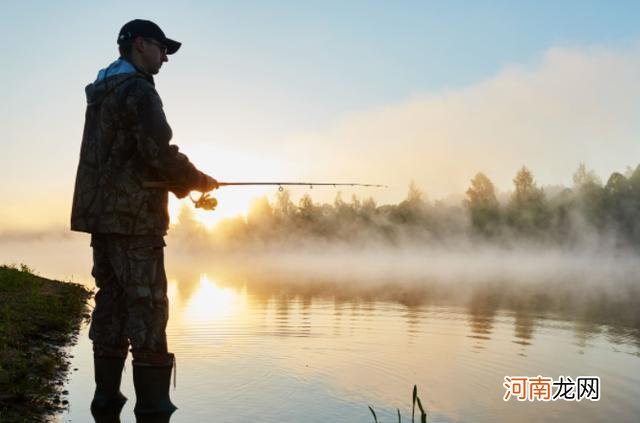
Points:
(309, 184)
(206, 202)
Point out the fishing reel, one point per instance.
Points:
(205, 202)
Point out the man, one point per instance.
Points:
(125, 143)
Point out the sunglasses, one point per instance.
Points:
(163, 48)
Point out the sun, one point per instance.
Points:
(227, 164)
(232, 202)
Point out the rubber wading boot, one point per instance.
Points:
(108, 399)
(151, 382)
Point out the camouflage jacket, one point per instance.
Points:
(125, 142)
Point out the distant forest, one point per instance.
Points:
(589, 211)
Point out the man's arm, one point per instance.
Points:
(153, 134)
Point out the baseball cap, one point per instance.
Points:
(146, 29)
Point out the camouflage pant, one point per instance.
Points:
(131, 303)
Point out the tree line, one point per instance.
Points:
(588, 210)
(563, 214)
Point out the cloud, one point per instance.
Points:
(572, 105)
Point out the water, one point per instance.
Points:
(247, 355)
(255, 346)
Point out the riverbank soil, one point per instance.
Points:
(38, 318)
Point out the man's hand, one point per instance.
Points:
(208, 184)
(179, 192)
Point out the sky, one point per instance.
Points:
(355, 91)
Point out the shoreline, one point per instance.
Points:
(39, 319)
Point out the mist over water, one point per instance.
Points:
(593, 283)
(579, 285)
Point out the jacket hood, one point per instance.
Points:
(108, 79)
(119, 67)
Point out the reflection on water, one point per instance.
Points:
(523, 328)
(268, 350)
(210, 303)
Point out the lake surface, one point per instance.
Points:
(259, 347)
(245, 356)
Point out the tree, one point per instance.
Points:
(618, 187)
(634, 182)
(284, 208)
(369, 205)
(413, 209)
(307, 210)
(482, 204)
(561, 205)
(527, 211)
(582, 177)
(415, 195)
(356, 204)
(620, 204)
(590, 196)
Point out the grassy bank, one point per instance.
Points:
(38, 317)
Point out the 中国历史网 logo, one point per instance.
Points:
(541, 388)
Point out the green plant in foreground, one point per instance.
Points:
(416, 399)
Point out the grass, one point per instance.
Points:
(416, 400)
(38, 317)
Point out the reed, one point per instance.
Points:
(416, 400)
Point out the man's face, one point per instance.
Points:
(153, 55)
